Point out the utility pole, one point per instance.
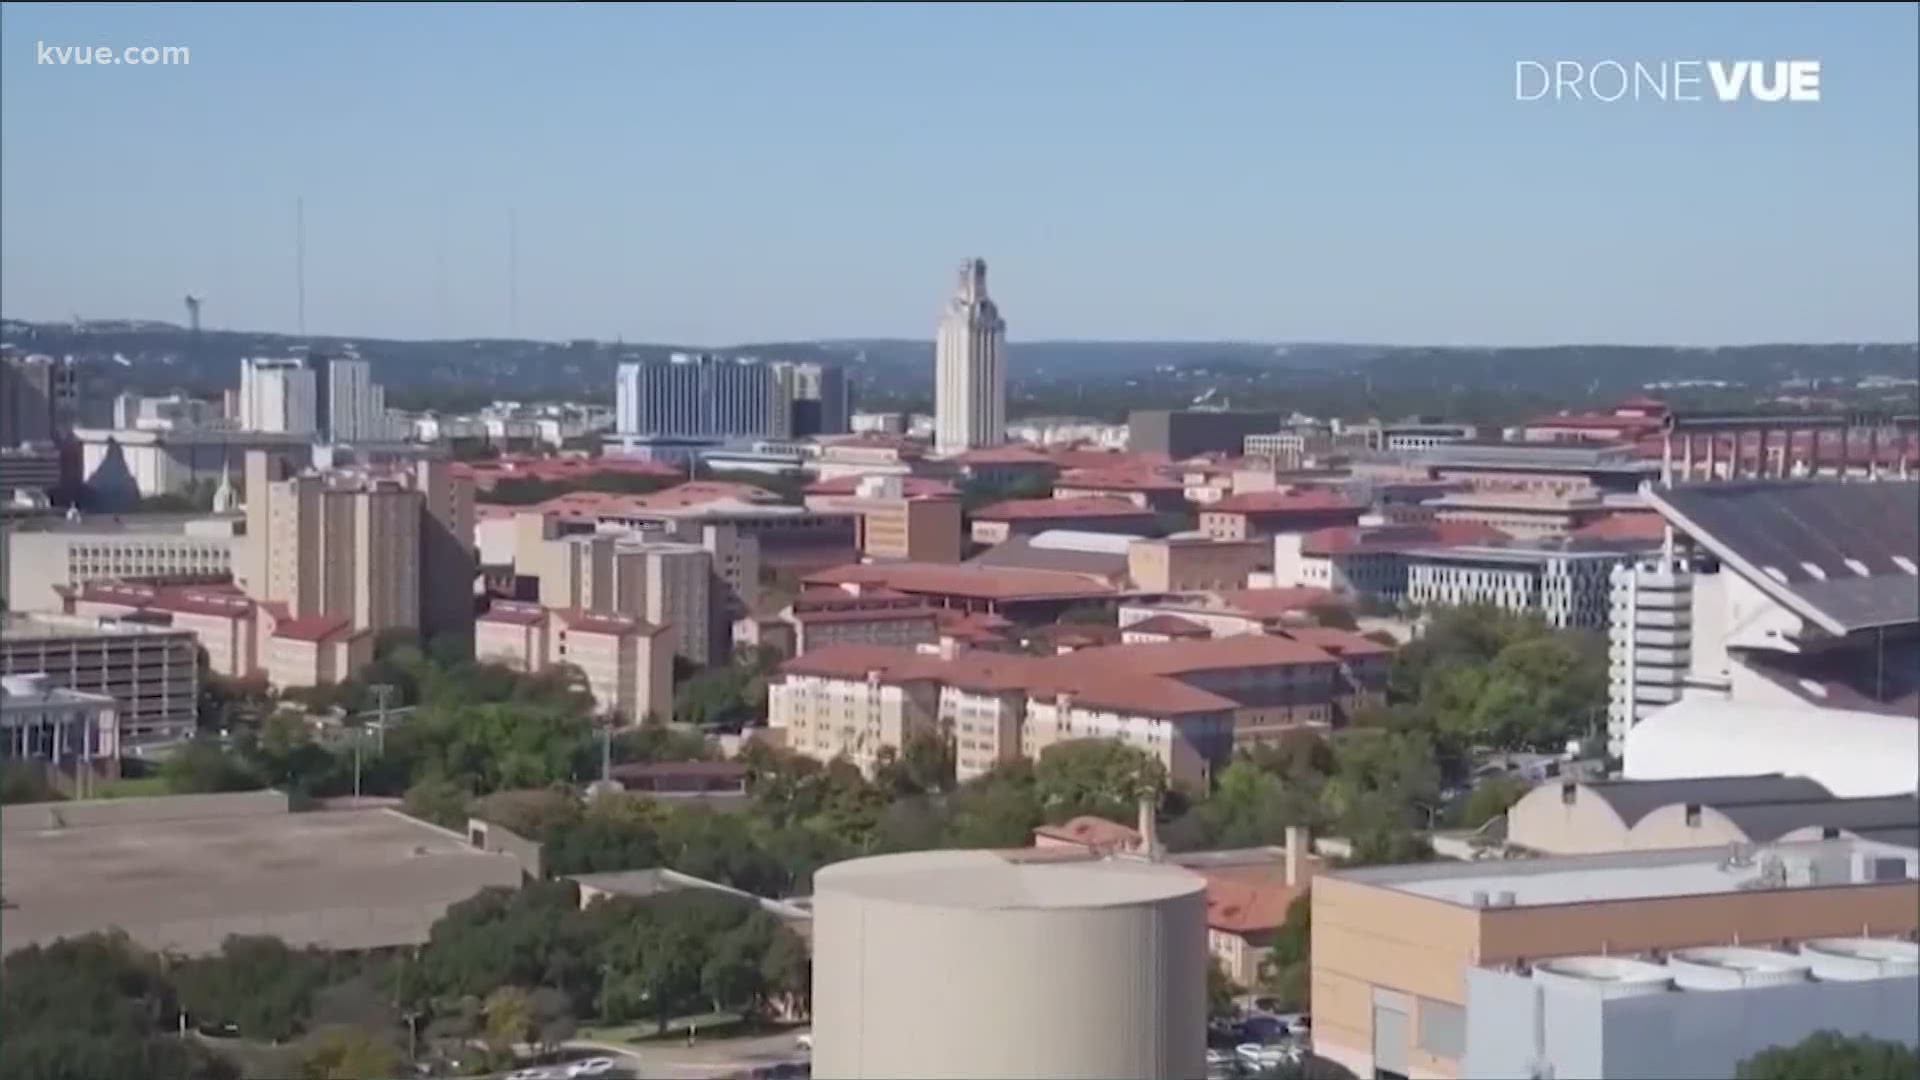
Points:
(381, 693)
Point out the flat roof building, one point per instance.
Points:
(1394, 946)
(152, 673)
(180, 873)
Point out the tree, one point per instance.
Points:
(1491, 798)
(510, 1019)
(1335, 615)
(1096, 776)
(257, 984)
(1829, 1055)
(553, 1021)
(439, 800)
(205, 766)
(1220, 992)
(924, 764)
(1285, 974)
(350, 1053)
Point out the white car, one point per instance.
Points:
(599, 1066)
(805, 1042)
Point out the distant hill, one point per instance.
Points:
(1101, 378)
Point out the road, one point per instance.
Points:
(707, 1058)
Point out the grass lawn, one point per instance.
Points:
(706, 1025)
(132, 788)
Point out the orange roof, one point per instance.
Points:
(591, 505)
(1629, 525)
(1187, 657)
(1117, 480)
(1342, 539)
(516, 614)
(311, 627)
(912, 487)
(1335, 641)
(1268, 603)
(1169, 625)
(1278, 502)
(1083, 458)
(965, 579)
(894, 613)
(1044, 509)
(1011, 454)
(1094, 832)
(1238, 906)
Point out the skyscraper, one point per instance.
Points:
(278, 395)
(969, 361)
(697, 394)
(355, 405)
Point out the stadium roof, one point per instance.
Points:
(1841, 555)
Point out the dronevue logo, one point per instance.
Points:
(1721, 81)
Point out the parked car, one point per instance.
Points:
(805, 1042)
(594, 1066)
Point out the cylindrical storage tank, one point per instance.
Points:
(1608, 976)
(1856, 959)
(984, 964)
(1732, 968)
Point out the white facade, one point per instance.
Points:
(970, 376)
(1082, 968)
(695, 394)
(278, 396)
(39, 560)
(41, 721)
(151, 672)
(1649, 642)
(1567, 589)
(357, 406)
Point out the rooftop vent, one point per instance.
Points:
(1609, 976)
(1858, 959)
(1732, 968)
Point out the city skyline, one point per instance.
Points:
(1305, 174)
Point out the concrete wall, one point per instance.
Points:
(74, 815)
(904, 990)
(1515, 1025)
(488, 836)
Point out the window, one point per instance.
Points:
(1693, 815)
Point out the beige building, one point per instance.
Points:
(627, 662)
(1183, 564)
(1393, 945)
(315, 650)
(334, 544)
(661, 582)
(1571, 817)
(152, 673)
(898, 522)
(45, 554)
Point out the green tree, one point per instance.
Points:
(553, 1020)
(1105, 777)
(1829, 1055)
(510, 1019)
(257, 984)
(1220, 992)
(924, 764)
(1286, 971)
(205, 766)
(439, 800)
(1491, 798)
(349, 1053)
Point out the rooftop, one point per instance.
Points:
(225, 864)
(966, 580)
(101, 524)
(1632, 800)
(16, 627)
(1169, 625)
(311, 627)
(1024, 553)
(911, 487)
(1118, 480)
(1840, 554)
(515, 614)
(1031, 509)
(1283, 502)
(986, 880)
(1530, 552)
(1355, 539)
(1586, 879)
(1551, 456)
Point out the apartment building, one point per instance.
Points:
(1291, 448)
(1567, 583)
(1397, 950)
(1524, 517)
(627, 662)
(822, 618)
(152, 673)
(1188, 703)
(315, 650)
(662, 582)
(44, 555)
(1261, 514)
(1146, 488)
(1190, 563)
(1364, 561)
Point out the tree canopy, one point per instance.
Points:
(1829, 1055)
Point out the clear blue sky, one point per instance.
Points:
(736, 173)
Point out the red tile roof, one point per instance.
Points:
(515, 614)
(866, 614)
(1268, 603)
(965, 580)
(1629, 525)
(312, 627)
(220, 601)
(913, 487)
(1344, 539)
(1337, 642)
(592, 505)
(1170, 626)
(1082, 458)
(1011, 454)
(1048, 509)
(1239, 906)
(1186, 657)
(1116, 480)
(1094, 832)
(601, 622)
(1277, 502)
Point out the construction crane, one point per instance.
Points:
(193, 311)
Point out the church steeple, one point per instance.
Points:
(224, 499)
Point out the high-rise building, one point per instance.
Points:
(26, 400)
(278, 395)
(337, 545)
(699, 394)
(818, 395)
(970, 372)
(355, 405)
(665, 583)
(1649, 641)
(447, 559)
